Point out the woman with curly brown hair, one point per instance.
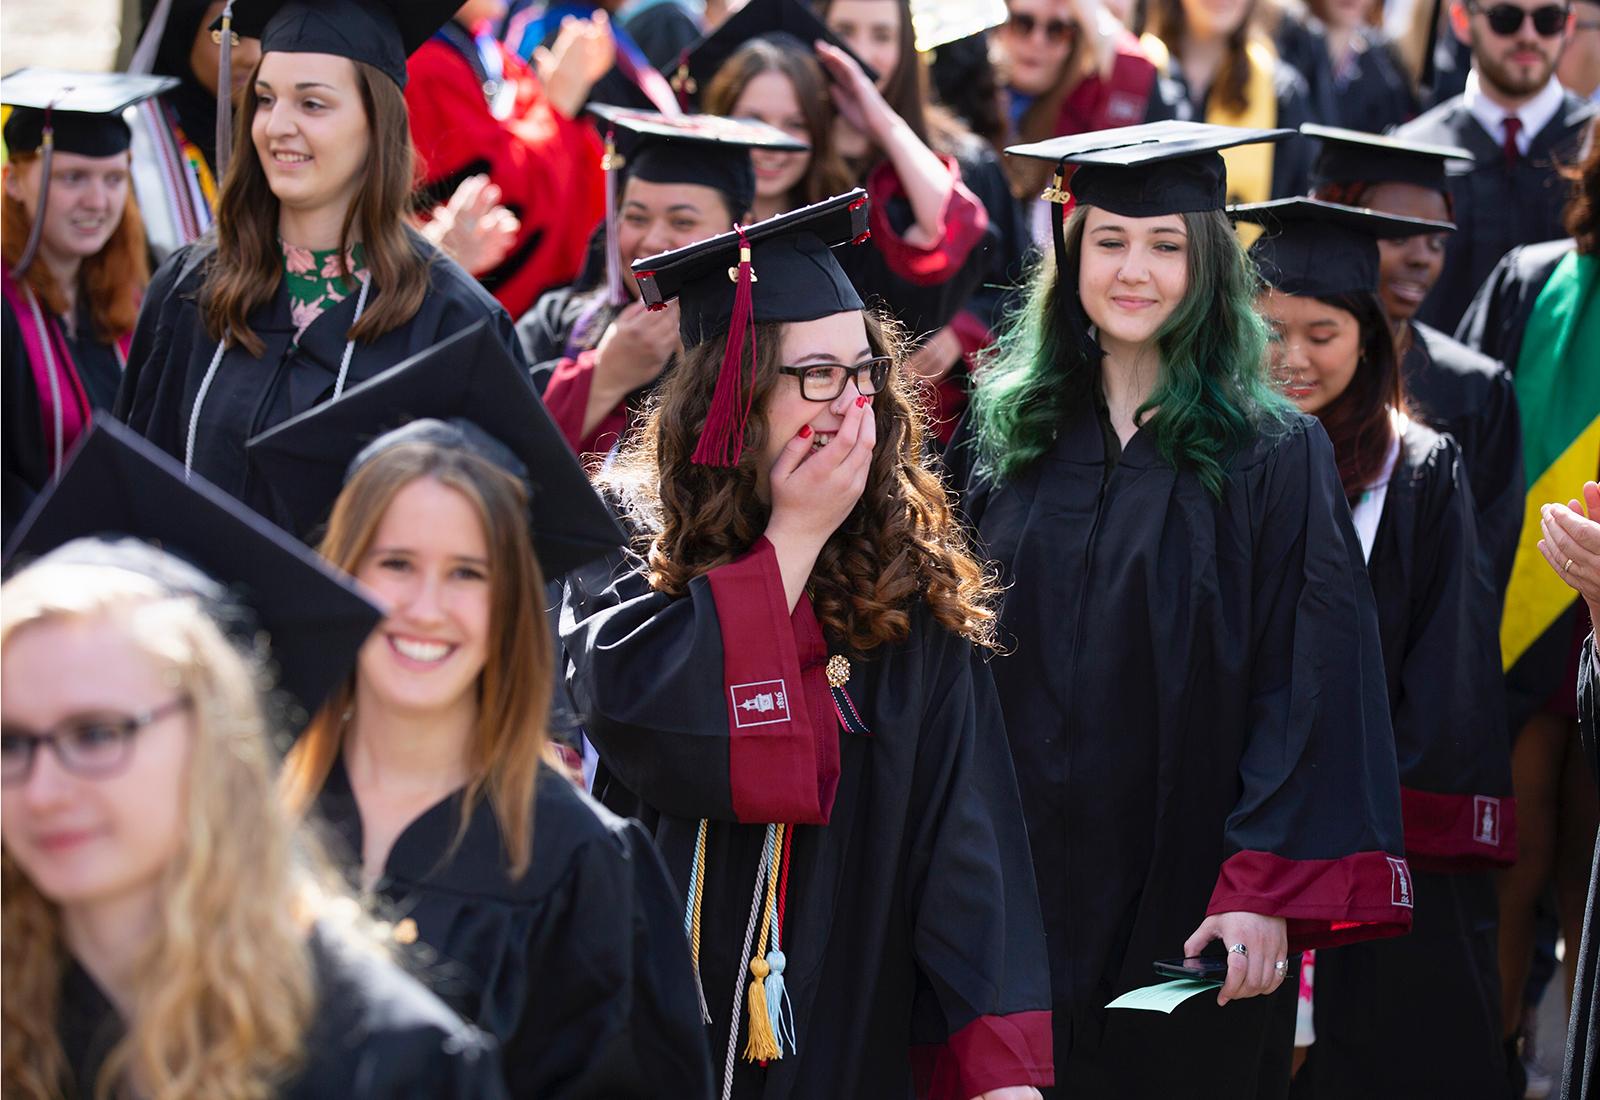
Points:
(787, 675)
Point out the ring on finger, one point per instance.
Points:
(1240, 949)
(1567, 568)
(1281, 966)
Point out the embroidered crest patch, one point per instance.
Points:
(1400, 882)
(762, 703)
(1486, 820)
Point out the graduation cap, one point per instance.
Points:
(117, 486)
(781, 269)
(936, 23)
(700, 149)
(60, 110)
(380, 33)
(1321, 249)
(1352, 156)
(481, 401)
(774, 19)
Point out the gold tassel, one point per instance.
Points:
(763, 1044)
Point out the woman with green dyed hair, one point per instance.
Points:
(1193, 691)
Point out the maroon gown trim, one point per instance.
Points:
(991, 1052)
(1326, 902)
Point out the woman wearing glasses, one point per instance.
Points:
(789, 672)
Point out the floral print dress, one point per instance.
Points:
(316, 280)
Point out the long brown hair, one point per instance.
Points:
(1165, 20)
(1041, 120)
(244, 274)
(1582, 218)
(826, 174)
(113, 279)
(514, 687)
(899, 545)
(1357, 421)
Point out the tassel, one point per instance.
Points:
(779, 1011)
(722, 438)
(225, 39)
(47, 147)
(611, 163)
(763, 1045)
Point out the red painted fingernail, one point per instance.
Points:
(805, 431)
(862, 400)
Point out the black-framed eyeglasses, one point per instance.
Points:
(1023, 25)
(1506, 19)
(826, 381)
(91, 747)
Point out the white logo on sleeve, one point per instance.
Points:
(762, 703)
(1400, 884)
(1486, 820)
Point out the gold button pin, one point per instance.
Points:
(405, 932)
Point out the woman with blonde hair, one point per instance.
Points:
(167, 932)
(314, 279)
(548, 921)
(74, 267)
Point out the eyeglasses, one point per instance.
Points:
(1023, 25)
(1506, 19)
(96, 747)
(826, 381)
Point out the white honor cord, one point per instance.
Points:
(55, 380)
(216, 361)
(350, 345)
(738, 985)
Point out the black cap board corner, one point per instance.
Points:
(117, 485)
(84, 109)
(1316, 248)
(469, 377)
(780, 20)
(1354, 156)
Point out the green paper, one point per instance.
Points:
(1164, 997)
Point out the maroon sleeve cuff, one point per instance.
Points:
(783, 736)
(566, 396)
(991, 1052)
(1448, 833)
(962, 221)
(1326, 902)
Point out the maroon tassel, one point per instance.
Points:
(722, 438)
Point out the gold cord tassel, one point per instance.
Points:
(763, 1044)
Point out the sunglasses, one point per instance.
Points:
(1023, 25)
(1506, 19)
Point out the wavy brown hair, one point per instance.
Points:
(826, 174)
(900, 544)
(248, 265)
(113, 279)
(1358, 421)
(1582, 217)
(223, 992)
(514, 686)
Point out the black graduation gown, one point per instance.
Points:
(1194, 697)
(377, 1034)
(1494, 324)
(25, 460)
(578, 969)
(171, 355)
(1471, 396)
(1434, 994)
(1580, 1077)
(1495, 207)
(911, 921)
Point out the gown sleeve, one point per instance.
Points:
(1482, 327)
(612, 1011)
(982, 1015)
(1499, 484)
(22, 467)
(1315, 834)
(138, 399)
(714, 704)
(1449, 714)
(1589, 707)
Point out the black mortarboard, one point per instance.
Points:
(1353, 156)
(936, 23)
(473, 395)
(701, 149)
(781, 269)
(1149, 170)
(381, 33)
(116, 484)
(758, 19)
(57, 110)
(1321, 249)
